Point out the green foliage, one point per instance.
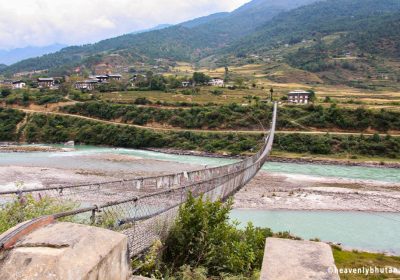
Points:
(217, 91)
(142, 101)
(28, 207)
(59, 129)
(358, 260)
(234, 116)
(26, 97)
(203, 237)
(200, 78)
(5, 92)
(366, 22)
(334, 144)
(203, 243)
(9, 119)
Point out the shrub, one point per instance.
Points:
(203, 237)
(28, 207)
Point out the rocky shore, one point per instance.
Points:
(9, 148)
(273, 191)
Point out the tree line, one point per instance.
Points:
(235, 116)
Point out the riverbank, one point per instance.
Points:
(13, 148)
(64, 168)
(276, 191)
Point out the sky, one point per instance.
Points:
(75, 22)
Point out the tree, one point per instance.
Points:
(271, 94)
(312, 95)
(226, 78)
(200, 78)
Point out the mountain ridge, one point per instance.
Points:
(176, 42)
(365, 27)
(15, 55)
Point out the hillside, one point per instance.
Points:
(351, 42)
(189, 41)
(357, 17)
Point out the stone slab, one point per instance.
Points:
(67, 251)
(286, 259)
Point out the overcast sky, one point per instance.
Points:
(43, 22)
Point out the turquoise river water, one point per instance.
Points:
(366, 231)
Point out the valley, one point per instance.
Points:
(197, 143)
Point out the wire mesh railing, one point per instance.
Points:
(144, 208)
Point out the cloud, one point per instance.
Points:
(43, 22)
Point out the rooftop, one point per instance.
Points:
(45, 79)
(299, 92)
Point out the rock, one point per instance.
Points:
(286, 259)
(66, 251)
(70, 143)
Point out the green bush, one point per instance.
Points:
(204, 243)
(28, 207)
(9, 119)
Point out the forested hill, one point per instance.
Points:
(188, 41)
(367, 23)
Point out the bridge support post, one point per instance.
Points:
(69, 252)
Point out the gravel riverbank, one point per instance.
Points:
(273, 191)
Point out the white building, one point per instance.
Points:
(86, 85)
(18, 85)
(299, 97)
(216, 82)
(46, 82)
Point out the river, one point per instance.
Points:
(361, 230)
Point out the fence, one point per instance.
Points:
(144, 208)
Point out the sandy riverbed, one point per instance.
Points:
(47, 175)
(272, 191)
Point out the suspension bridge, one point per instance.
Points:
(142, 208)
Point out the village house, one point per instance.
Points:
(108, 77)
(86, 85)
(299, 97)
(216, 82)
(18, 85)
(100, 78)
(46, 82)
(114, 77)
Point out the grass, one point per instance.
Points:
(355, 259)
(29, 207)
(204, 97)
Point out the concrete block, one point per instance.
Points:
(67, 251)
(286, 259)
